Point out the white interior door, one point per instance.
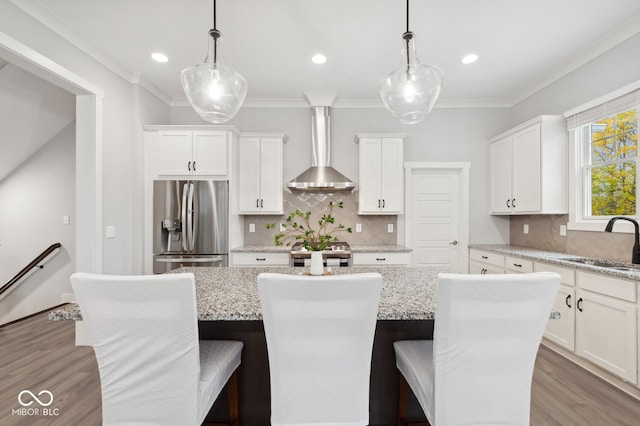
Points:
(435, 218)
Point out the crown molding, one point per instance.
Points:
(356, 103)
(47, 18)
(608, 42)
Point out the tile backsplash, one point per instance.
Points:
(544, 234)
(374, 227)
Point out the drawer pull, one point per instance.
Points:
(381, 259)
(260, 259)
(485, 257)
(517, 265)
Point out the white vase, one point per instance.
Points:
(316, 263)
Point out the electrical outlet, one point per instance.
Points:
(111, 232)
(252, 227)
(390, 227)
(358, 227)
(525, 228)
(563, 230)
(66, 220)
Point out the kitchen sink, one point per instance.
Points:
(601, 264)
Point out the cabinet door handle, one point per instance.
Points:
(567, 299)
(513, 202)
(517, 265)
(257, 203)
(189, 165)
(578, 304)
(378, 203)
(261, 203)
(483, 271)
(194, 166)
(383, 203)
(508, 204)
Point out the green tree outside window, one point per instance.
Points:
(613, 149)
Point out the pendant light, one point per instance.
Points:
(410, 92)
(214, 90)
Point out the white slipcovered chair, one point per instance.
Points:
(319, 333)
(479, 366)
(153, 368)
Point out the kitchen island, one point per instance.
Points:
(229, 308)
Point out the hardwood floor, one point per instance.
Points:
(37, 354)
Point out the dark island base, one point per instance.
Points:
(253, 380)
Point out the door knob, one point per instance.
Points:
(454, 242)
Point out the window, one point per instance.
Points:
(603, 154)
(609, 166)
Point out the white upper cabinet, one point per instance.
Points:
(528, 168)
(381, 174)
(260, 169)
(193, 152)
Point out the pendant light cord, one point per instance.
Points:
(214, 16)
(215, 34)
(407, 37)
(407, 15)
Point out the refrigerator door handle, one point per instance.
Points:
(183, 213)
(190, 219)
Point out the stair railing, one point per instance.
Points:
(33, 266)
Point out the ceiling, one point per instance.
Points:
(523, 45)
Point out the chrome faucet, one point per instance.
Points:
(635, 254)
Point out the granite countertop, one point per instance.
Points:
(231, 293)
(261, 249)
(380, 249)
(560, 259)
(354, 249)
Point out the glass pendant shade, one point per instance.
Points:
(214, 90)
(410, 92)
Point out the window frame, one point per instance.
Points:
(580, 164)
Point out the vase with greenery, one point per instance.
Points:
(299, 227)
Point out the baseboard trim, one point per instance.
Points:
(33, 315)
(628, 388)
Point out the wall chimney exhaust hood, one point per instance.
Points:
(321, 177)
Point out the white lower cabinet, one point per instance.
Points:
(484, 262)
(260, 259)
(517, 265)
(598, 313)
(562, 331)
(606, 324)
(381, 259)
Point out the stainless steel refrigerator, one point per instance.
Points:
(190, 219)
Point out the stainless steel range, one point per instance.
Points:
(337, 254)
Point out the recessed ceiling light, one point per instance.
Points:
(469, 59)
(319, 58)
(159, 57)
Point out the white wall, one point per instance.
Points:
(446, 135)
(121, 158)
(613, 69)
(32, 111)
(148, 109)
(34, 199)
